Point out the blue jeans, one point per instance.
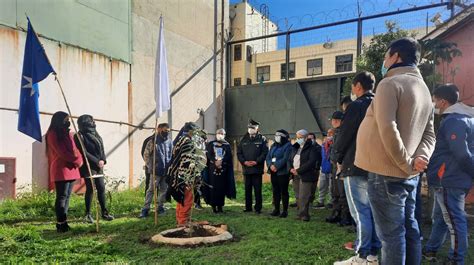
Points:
(449, 217)
(393, 207)
(367, 242)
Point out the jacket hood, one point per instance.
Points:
(460, 108)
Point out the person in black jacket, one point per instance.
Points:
(303, 162)
(95, 154)
(355, 179)
(251, 152)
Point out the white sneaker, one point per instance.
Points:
(372, 260)
(356, 260)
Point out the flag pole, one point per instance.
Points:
(83, 151)
(155, 195)
(73, 125)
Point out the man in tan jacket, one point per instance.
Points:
(394, 144)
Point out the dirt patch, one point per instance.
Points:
(194, 231)
(193, 235)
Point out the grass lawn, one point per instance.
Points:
(27, 235)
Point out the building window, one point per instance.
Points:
(237, 81)
(291, 73)
(344, 63)
(263, 73)
(238, 52)
(249, 81)
(314, 67)
(249, 54)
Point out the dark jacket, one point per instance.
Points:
(333, 155)
(214, 175)
(278, 156)
(94, 152)
(252, 149)
(345, 143)
(310, 160)
(145, 142)
(452, 163)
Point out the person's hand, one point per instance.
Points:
(253, 163)
(293, 172)
(101, 163)
(247, 164)
(218, 163)
(420, 164)
(338, 168)
(273, 168)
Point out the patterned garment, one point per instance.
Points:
(187, 163)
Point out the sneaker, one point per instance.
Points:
(319, 206)
(372, 260)
(352, 261)
(89, 219)
(161, 210)
(144, 213)
(429, 255)
(197, 206)
(349, 246)
(247, 210)
(333, 219)
(275, 213)
(107, 217)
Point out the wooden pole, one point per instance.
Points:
(83, 150)
(155, 195)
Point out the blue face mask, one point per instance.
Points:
(384, 69)
(300, 141)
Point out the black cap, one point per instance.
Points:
(284, 132)
(190, 126)
(337, 115)
(253, 123)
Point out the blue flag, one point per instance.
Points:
(36, 67)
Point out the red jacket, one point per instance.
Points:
(64, 158)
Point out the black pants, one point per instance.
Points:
(100, 187)
(340, 207)
(280, 191)
(253, 181)
(63, 193)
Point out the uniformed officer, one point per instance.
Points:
(251, 152)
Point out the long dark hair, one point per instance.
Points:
(58, 125)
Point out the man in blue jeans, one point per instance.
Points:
(355, 179)
(450, 174)
(394, 143)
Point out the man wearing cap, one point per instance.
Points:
(304, 160)
(251, 152)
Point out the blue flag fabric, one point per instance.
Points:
(36, 67)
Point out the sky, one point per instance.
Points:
(305, 13)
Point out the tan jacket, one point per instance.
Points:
(398, 126)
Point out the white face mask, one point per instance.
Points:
(436, 110)
(300, 141)
(278, 138)
(353, 97)
(220, 137)
(252, 131)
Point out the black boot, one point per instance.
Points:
(276, 212)
(61, 228)
(214, 209)
(284, 214)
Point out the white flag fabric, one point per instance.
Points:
(162, 92)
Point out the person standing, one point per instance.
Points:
(450, 174)
(303, 162)
(355, 179)
(394, 143)
(64, 161)
(147, 175)
(94, 151)
(162, 147)
(277, 163)
(251, 152)
(220, 173)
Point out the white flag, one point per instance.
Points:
(162, 92)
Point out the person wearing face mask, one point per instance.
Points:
(303, 162)
(64, 161)
(163, 149)
(394, 144)
(450, 174)
(251, 152)
(147, 175)
(94, 147)
(277, 165)
(355, 179)
(220, 173)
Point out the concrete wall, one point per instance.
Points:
(93, 84)
(189, 41)
(98, 25)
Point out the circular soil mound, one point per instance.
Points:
(193, 235)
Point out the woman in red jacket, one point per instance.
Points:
(64, 161)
